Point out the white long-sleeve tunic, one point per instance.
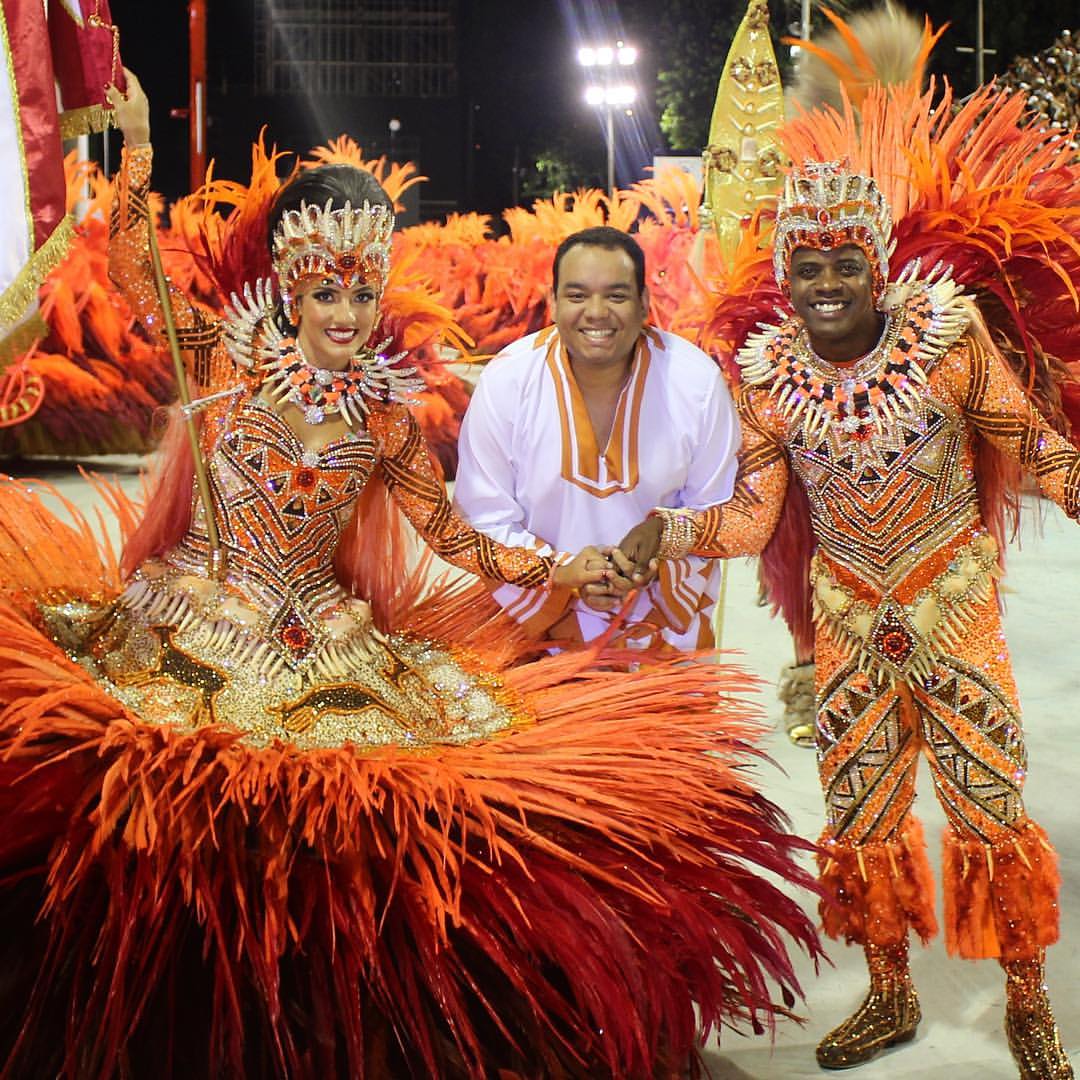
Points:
(531, 474)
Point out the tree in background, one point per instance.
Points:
(688, 47)
(567, 160)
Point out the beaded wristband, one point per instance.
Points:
(679, 532)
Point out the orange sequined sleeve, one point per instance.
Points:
(999, 410)
(412, 481)
(744, 524)
(132, 272)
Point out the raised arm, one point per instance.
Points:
(741, 526)
(417, 489)
(130, 267)
(1000, 411)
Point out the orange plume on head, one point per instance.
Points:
(395, 178)
(882, 46)
(234, 249)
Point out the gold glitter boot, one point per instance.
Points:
(1029, 1023)
(889, 1015)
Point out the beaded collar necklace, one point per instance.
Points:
(863, 398)
(857, 396)
(256, 344)
(321, 392)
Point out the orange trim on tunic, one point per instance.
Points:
(582, 464)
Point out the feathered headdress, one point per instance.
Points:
(824, 206)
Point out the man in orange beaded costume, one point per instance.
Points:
(884, 402)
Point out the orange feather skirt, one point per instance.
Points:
(589, 893)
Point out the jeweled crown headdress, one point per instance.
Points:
(348, 245)
(825, 206)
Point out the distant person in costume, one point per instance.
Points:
(886, 405)
(276, 808)
(578, 430)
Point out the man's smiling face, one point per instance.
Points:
(597, 307)
(832, 292)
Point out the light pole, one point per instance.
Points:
(603, 62)
(980, 50)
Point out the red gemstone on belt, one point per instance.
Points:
(297, 638)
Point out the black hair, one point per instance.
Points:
(604, 236)
(338, 182)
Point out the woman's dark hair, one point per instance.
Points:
(603, 236)
(339, 183)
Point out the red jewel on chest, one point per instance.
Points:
(304, 478)
(895, 645)
(297, 638)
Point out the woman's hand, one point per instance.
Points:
(132, 113)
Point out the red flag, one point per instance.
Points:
(34, 229)
(85, 58)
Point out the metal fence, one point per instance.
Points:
(360, 48)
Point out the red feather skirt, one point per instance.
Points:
(589, 895)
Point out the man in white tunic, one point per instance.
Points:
(576, 432)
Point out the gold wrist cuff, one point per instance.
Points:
(679, 533)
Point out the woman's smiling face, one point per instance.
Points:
(334, 322)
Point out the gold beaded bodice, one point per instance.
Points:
(281, 510)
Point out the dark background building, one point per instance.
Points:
(486, 94)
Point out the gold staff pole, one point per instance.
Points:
(202, 481)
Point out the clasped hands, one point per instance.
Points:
(604, 576)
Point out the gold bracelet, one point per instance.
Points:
(679, 532)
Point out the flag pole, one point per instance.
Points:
(216, 565)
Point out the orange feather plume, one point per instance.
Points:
(879, 47)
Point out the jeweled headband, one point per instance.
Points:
(825, 206)
(346, 245)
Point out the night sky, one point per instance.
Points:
(520, 88)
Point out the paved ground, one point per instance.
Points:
(961, 1036)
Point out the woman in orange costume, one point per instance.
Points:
(254, 827)
(883, 405)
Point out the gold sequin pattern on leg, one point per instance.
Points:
(889, 1014)
(1033, 1035)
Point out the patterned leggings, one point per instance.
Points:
(1000, 877)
